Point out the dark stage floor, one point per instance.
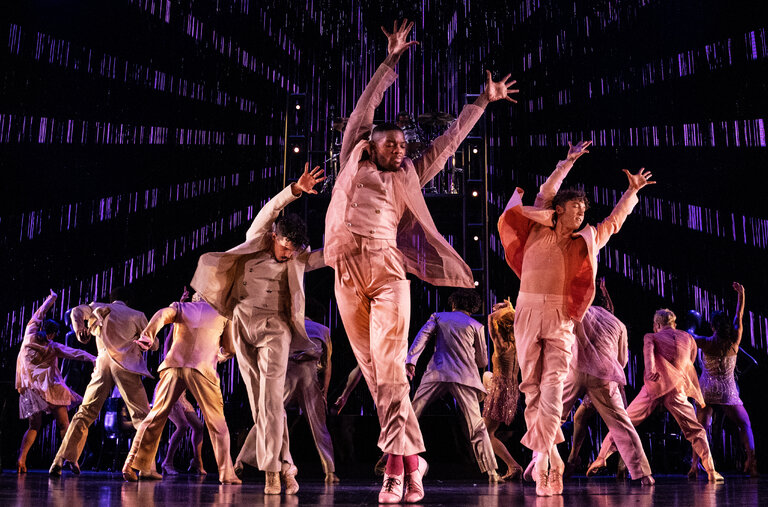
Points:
(98, 489)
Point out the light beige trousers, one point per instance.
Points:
(607, 399)
(302, 385)
(681, 409)
(262, 342)
(106, 374)
(375, 306)
(544, 336)
(173, 382)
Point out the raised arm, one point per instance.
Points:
(550, 187)
(160, 319)
(419, 343)
(360, 121)
(268, 214)
(624, 207)
(47, 305)
(607, 297)
(738, 318)
(434, 159)
(650, 361)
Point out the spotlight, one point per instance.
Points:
(474, 193)
(474, 150)
(298, 106)
(476, 238)
(296, 149)
(477, 283)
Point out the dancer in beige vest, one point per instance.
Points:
(201, 338)
(378, 228)
(259, 285)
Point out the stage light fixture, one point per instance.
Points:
(476, 238)
(296, 149)
(477, 283)
(298, 106)
(474, 193)
(474, 150)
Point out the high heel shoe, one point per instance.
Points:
(513, 473)
(168, 469)
(196, 468)
(596, 467)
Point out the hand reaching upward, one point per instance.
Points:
(639, 180)
(309, 179)
(498, 90)
(397, 42)
(574, 152)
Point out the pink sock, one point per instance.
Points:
(394, 464)
(411, 463)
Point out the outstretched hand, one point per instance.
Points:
(574, 152)
(498, 90)
(309, 179)
(738, 288)
(397, 41)
(184, 295)
(639, 180)
(53, 294)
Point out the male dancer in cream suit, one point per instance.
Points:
(670, 379)
(597, 369)
(557, 268)
(201, 338)
(259, 285)
(120, 362)
(460, 351)
(378, 228)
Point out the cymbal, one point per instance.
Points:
(339, 124)
(436, 119)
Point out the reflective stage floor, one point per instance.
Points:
(94, 489)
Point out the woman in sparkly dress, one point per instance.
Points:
(501, 403)
(717, 381)
(38, 378)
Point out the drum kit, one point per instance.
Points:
(419, 135)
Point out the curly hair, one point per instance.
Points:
(293, 228)
(50, 327)
(465, 299)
